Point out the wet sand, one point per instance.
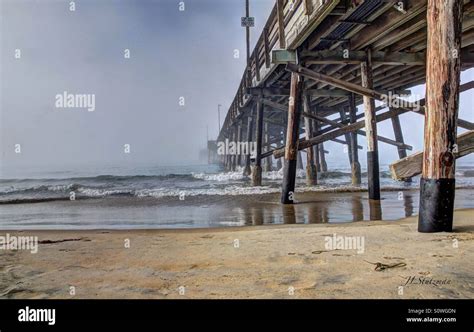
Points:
(270, 261)
(214, 211)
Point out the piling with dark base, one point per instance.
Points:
(437, 185)
(375, 210)
(292, 138)
(289, 181)
(436, 205)
(373, 174)
(371, 131)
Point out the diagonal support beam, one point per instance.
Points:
(284, 108)
(304, 144)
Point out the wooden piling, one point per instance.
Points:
(228, 157)
(311, 172)
(371, 131)
(239, 140)
(233, 157)
(285, 121)
(437, 186)
(322, 158)
(224, 161)
(317, 162)
(299, 163)
(342, 114)
(292, 138)
(257, 168)
(321, 164)
(225, 156)
(375, 210)
(355, 167)
(268, 161)
(397, 130)
(250, 121)
(280, 160)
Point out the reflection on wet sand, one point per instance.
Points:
(257, 216)
(375, 208)
(408, 204)
(289, 214)
(215, 211)
(318, 208)
(317, 214)
(357, 209)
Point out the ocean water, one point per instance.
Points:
(37, 185)
(198, 196)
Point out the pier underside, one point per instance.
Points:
(316, 62)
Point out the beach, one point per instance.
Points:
(201, 234)
(288, 259)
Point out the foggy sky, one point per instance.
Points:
(173, 54)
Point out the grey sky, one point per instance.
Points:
(173, 54)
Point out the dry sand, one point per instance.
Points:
(279, 261)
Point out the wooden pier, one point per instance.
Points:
(316, 59)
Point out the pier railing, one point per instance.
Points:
(288, 25)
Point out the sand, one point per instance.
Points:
(274, 261)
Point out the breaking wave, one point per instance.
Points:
(191, 184)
